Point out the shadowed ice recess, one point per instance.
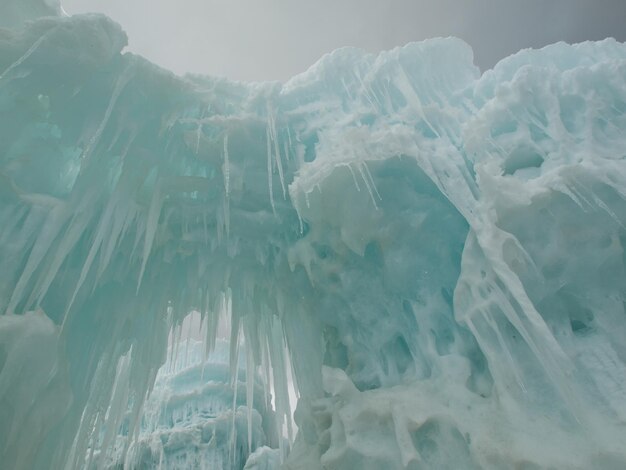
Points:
(430, 261)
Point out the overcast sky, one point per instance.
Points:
(276, 39)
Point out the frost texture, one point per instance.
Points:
(433, 258)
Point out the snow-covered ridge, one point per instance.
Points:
(436, 256)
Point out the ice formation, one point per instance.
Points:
(188, 419)
(433, 258)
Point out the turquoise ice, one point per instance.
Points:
(429, 259)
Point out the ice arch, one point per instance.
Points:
(439, 255)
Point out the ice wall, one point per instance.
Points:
(436, 255)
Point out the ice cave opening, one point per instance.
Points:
(390, 261)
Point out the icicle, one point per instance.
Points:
(234, 337)
(205, 228)
(277, 354)
(70, 239)
(187, 345)
(345, 88)
(161, 455)
(265, 364)
(367, 171)
(117, 407)
(120, 84)
(51, 229)
(226, 209)
(403, 83)
(367, 185)
(269, 168)
(365, 90)
(104, 228)
(96, 432)
(211, 332)
(119, 229)
(286, 148)
(594, 200)
(226, 167)
(296, 206)
(152, 223)
(176, 346)
(235, 382)
(250, 375)
(198, 135)
(356, 183)
(274, 137)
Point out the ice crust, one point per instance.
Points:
(433, 258)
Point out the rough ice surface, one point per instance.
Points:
(432, 258)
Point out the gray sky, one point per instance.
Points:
(276, 39)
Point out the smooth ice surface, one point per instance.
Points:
(433, 258)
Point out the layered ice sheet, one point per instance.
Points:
(433, 258)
